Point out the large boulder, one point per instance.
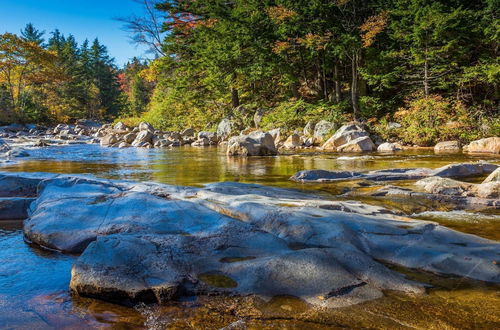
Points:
(322, 130)
(120, 126)
(109, 140)
(344, 135)
(448, 147)
(144, 126)
(201, 142)
(255, 144)
(145, 242)
(225, 129)
(276, 134)
(293, 141)
(489, 145)
(210, 136)
(129, 138)
(143, 137)
(361, 144)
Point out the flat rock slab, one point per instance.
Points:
(145, 242)
(448, 171)
(14, 208)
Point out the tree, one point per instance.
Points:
(31, 34)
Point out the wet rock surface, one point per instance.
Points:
(154, 243)
(448, 171)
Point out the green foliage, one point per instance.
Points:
(295, 114)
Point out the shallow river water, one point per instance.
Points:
(34, 283)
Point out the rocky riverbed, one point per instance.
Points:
(145, 242)
(324, 227)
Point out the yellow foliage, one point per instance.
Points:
(372, 27)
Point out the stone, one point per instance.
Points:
(210, 136)
(448, 147)
(201, 142)
(488, 190)
(361, 144)
(346, 134)
(488, 145)
(108, 140)
(14, 208)
(276, 134)
(493, 177)
(224, 129)
(41, 143)
(187, 132)
(129, 137)
(308, 129)
(144, 126)
(293, 141)
(143, 137)
(452, 171)
(445, 186)
(389, 147)
(322, 130)
(393, 125)
(465, 170)
(146, 242)
(120, 126)
(122, 145)
(255, 144)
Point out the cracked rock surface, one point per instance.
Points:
(147, 242)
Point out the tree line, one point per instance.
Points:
(57, 80)
(310, 59)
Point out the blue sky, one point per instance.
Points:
(82, 18)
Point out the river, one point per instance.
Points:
(34, 283)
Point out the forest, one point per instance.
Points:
(432, 67)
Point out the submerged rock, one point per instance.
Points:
(145, 242)
(449, 171)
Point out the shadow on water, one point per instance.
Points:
(34, 283)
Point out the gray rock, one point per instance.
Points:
(255, 144)
(309, 129)
(224, 129)
(361, 144)
(452, 171)
(145, 242)
(448, 147)
(322, 130)
(344, 136)
(144, 126)
(109, 140)
(120, 126)
(210, 136)
(143, 137)
(201, 142)
(389, 147)
(14, 208)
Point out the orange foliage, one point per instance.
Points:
(372, 27)
(279, 14)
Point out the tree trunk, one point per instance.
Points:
(295, 90)
(235, 98)
(354, 85)
(426, 74)
(337, 82)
